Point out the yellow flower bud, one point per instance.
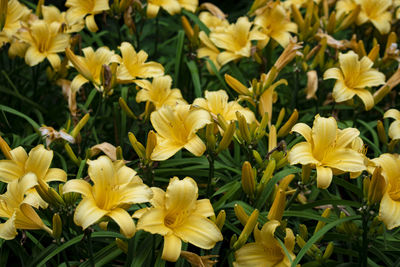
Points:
(243, 127)
(233, 240)
(374, 53)
(301, 243)
(350, 19)
(328, 251)
(284, 183)
(381, 132)
(272, 140)
(80, 125)
(278, 206)
(126, 108)
(267, 175)
(248, 179)
(258, 158)
(303, 231)
(187, 28)
(330, 27)
(4, 146)
(57, 226)
(297, 17)
(137, 146)
(151, 143)
(236, 85)
(377, 186)
(280, 118)
(222, 122)
(241, 214)
(247, 230)
(227, 137)
(321, 224)
(220, 221)
(71, 154)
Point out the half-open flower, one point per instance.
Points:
(178, 216)
(115, 188)
(328, 149)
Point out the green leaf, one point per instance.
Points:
(194, 72)
(178, 56)
(19, 114)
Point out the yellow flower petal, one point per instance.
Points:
(324, 177)
(33, 56)
(101, 171)
(91, 23)
(158, 197)
(389, 212)
(333, 73)
(7, 229)
(323, 134)
(39, 161)
(77, 83)
(346, 136)
(252, 254)
(199, 231)
(87, 213)
(302, 153)
(342, 93)
(196, 146)
(172, 248)
(153, 221)
(134, 193)
(392, 113)
(124, 220)
(394, 130)
(78, 186)
(165, 149)
(366, 97)
(19, 155)
(180, 194)
(204, 208)
(55, 174)
(10, 171)
(304, 130)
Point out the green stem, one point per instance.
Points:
(364, 247)
(156, 39)
(90, 249)
(211, 160)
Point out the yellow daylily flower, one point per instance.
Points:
(394, 128)
(376, 11)
(45, 41)
(179, 216)
(15, 13)
(236, 40)
(153, 6)
(12, 204)
(79, 9)
(266, 250)
(176, 129)
(159, 92)
(275, 24)
(90, 66)
(327, 148)
(217, 104)
(133, 65)
(115, 188)
(52, 14)
(344, 7)
(389, 210)
(353, 77)
(36, 163)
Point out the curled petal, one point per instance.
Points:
(172, 248)
(324, 177)
(124, 220)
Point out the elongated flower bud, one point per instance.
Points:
(285, 129)
(122, 245)
(247, 230)
(243, 128)
(227, 137)
(303, 231)
(248, 179)
(241, 214)
(280, 118)
(71, 154)
(220, 221)
(126, 108)
(137, 146)
(80, 125)
(210, 137)
(3, 13)
(328, 251)
(381, 132)
(278, 206)
(377, 186)
(57, 226)
(151, 143)
(321, 224)
(272, 139)
(236, 85)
